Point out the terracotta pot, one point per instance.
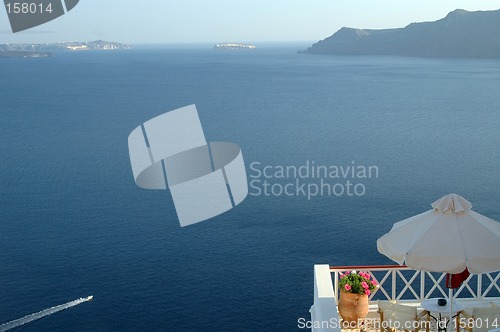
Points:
(353, 308)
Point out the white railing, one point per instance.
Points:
(404, 284)
(395, 283)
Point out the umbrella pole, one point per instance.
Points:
(450, 298)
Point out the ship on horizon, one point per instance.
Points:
(234, 46)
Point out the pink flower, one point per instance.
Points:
(347, 287)
(374, 283)
(365, 285)
(367, 292)
(347, 272)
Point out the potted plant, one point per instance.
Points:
(354, 291)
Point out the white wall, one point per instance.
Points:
(324, 316)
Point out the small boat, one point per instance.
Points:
(234, 46)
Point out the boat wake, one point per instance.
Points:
(44, 313)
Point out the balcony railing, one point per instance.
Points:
(400, 284)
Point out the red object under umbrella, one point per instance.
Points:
(455, 280)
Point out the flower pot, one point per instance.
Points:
(353, 308)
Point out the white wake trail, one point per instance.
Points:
(44, 313)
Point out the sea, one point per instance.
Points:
(73, 223)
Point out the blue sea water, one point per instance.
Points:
(73, 222)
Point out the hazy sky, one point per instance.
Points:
(192, 21)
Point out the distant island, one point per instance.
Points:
(461, 34)
(234, 46)
(24, 54)
(45, 50)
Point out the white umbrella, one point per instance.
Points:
(449, 238)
